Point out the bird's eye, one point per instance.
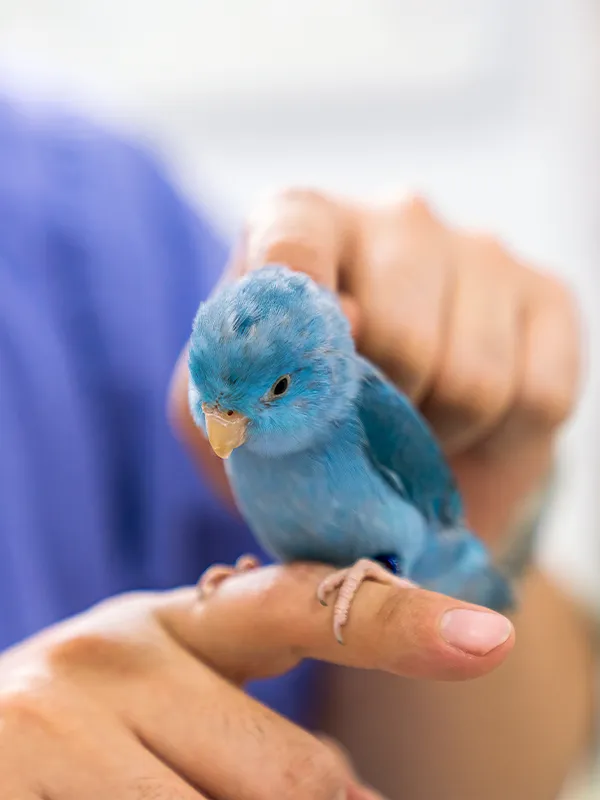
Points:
(280, 386)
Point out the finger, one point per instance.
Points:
(355, 792)
(477, 376)
(549, 372)
(89, 756)
(340, 751)
(401, 278)
(304, 230)
(546, 392)
(262, 243)
(219, 738)
(104, 774)
(264, 622)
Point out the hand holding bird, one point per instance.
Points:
(328, 461)
(452, 319)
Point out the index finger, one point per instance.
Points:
(264, 622)
(302, 229)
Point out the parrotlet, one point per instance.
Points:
(328, 461)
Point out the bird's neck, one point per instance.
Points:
(282, 445)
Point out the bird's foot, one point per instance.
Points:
(216, 574)
(348, 582)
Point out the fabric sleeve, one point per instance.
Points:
(103, 262)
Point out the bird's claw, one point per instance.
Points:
(330, 584)
(216, 574)
(347, 582)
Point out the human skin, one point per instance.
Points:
(489, 348)
(143, 696)
(485, 345)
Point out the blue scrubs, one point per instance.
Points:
(102, 266)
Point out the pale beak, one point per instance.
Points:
(226, 430)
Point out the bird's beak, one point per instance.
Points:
(226, 430)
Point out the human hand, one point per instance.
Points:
(141, 697)
(484, 345)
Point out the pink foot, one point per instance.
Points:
(216, 574)
(348, 582)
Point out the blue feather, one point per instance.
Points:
(341, 466)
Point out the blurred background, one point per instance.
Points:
(489, 107)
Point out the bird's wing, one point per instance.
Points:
(404, 449)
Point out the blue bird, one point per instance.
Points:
(327, 460)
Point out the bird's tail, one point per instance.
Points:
(458, 564)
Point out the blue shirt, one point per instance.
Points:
(102, 266)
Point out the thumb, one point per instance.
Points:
(262, 623)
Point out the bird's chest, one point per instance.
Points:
(304, 506)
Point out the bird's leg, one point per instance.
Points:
(216, 574)
(348, 582)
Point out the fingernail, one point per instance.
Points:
(474, 632)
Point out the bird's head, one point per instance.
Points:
(271, 364)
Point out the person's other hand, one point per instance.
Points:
(141, 697)
(485, 345)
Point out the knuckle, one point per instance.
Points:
(489, 248)
(555, 293)
(81, 649)
(295, 227)
(549, 406)
(24, 712)
(283, 205)
(119, 634)
(553, 287)
(98, 652)
(552, 385)
(474, 388)
(281, 586)
(419, 203)
(408, 353)
(412, 338)
(291, 195)
(417, 352)
(298, 251)
(285, 581)
(271, 593)
(414, 206)
(483, 252)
